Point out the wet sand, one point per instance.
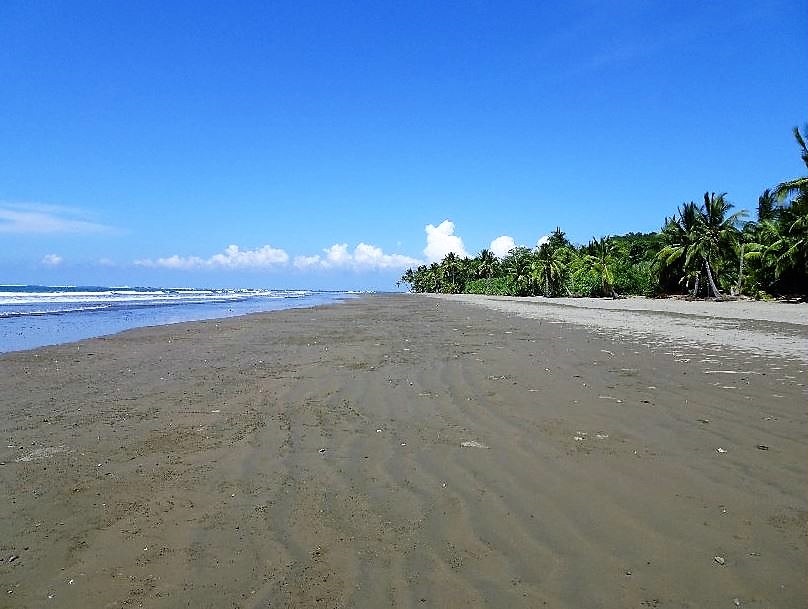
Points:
(316, 458)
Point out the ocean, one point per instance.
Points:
(34, 316)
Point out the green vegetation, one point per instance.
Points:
(703, 250)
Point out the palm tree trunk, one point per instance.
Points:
(710, 279)
(740, 272)
(696, 285)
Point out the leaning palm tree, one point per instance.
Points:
(715, 235)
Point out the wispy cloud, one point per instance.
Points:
(34, 218)
(232, 257)
(364, 257)
(51, 260)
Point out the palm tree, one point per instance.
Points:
(599, 259)
(558, 238)
(798, 186)
(678, 233)
(715, 234)
(452, 270)
(793, 216)
(434, 279)
(767, 202)
(547, 269)
(487, 264)
(517, 267)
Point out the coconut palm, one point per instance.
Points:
(715, 235)
(798, 187)
(487, 264)
(598, 259)
(517, 267)
(678, 234)
(547, 269)
(793, 216)
(767, 206)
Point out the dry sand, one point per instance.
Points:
(316, 458)
(768, 328)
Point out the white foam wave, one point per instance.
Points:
(51, 301)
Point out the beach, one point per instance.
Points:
(414, 451)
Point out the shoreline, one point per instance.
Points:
(33, 330)
(402, 451)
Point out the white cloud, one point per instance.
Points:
(440, 240)
(542, 240)
(337, 255)
(31, 218)
(363, 257)
(305, 262)
(52, 260)
(502, 245)
(262, 257)
(232, 258)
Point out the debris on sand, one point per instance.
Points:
(472, 444)
(42, 453)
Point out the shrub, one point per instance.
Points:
(495, 286)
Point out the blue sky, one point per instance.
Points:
(311, 144)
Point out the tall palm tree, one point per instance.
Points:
(434, 279)
(716, 233)
(547, 269)
(678, 234)
(793, 217)
(517, 267)
(452, 271)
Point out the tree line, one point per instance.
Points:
(704, 249)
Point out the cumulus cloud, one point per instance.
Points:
(502, 245)
(363, 257)
(542, 240)
(338, 256)
(231, 258)
(440, 240)
(52, 260)
(32, 218)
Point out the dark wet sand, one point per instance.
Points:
(313, 458)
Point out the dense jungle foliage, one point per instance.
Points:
(704, 250)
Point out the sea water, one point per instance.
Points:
(35, 316)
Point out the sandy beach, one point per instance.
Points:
(413, 451)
